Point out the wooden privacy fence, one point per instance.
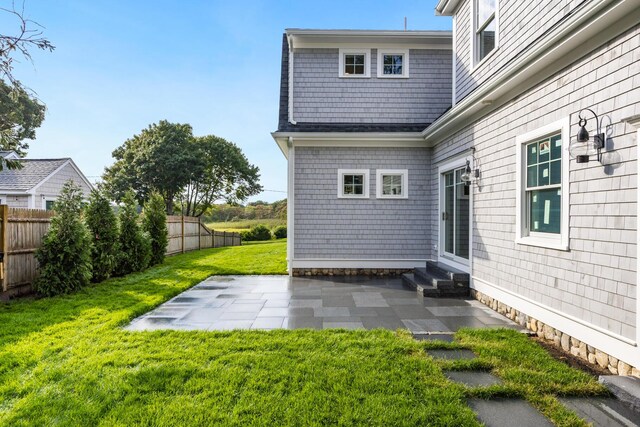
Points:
(187, 233)
(22, 231)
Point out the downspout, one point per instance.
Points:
(290, 204)
(290, 107)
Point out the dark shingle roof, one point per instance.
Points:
(31, 174)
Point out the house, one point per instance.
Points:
(506, 151)
(38, 183)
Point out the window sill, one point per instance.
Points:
(354, 77)
(392, 197)
(343, 196)
(541, 242)
(392, 77)
(484, 60)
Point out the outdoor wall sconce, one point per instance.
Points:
(468, 175)
(584, 146)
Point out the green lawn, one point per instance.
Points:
(246, 224)
(66, 361)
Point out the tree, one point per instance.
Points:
(160, 158)
(135, 248)
(221, 173)
(103, 227)
(26, 37)
(192, 171)
(20, 116)
(154, 222)
(65, 255)
(21, 113)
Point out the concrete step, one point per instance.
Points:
(443, 270)
(435, 280)
(428, 290)
(626, 389)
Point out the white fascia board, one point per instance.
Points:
(84, 178)
(281, 140)
(447, 7)
(302, 38)
(358, 263)
(14, 192)
(393, 139)
(591, 26)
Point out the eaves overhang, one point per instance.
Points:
(347, 139)
(447, 7)
(587, 29)
(309, 38)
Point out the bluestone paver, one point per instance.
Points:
(507, 413)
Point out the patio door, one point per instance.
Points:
(455, 217)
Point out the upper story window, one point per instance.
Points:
(355, 63)
(542, 213)
(485, 27)
(393, 63)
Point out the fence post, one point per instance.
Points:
(182, 233)
(4, 211)
(199, 232)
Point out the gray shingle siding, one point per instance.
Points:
(596, 280)
(520, 24)
(328, 227)
(321, 96)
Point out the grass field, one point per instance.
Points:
(246, 224)
(67, 361)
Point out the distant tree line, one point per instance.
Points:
(254, 210)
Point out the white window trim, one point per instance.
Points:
(544, 240)
(405, 63)
(342, 173)
(475, 63)
(46, 199)
(405, 183)
(367, 63)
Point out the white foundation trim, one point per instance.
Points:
(616, 345)
(358, 263)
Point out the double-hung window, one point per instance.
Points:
(542, 213)
(353, 183)
(485, 28)
(393, 63)
(355, 62)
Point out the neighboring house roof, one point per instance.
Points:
(11, 155)
(33, 173)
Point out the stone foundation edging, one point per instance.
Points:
(559, 338)
(378, 272)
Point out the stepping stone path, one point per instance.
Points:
(473, 378)
(507, 413)
(600, 411)
(434, 337)
(452, 354)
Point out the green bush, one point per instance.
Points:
(258, 232)
(135, 246)
(65, 255)
(154, 222)
(103, 229)
(280, 232)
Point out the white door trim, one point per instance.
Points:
(459, 263)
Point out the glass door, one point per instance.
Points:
(455, 216)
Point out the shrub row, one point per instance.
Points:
(261, 232)
(95, 244)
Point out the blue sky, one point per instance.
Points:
(122, 65)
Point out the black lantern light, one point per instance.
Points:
(584, 146)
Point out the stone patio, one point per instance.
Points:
(273, 302)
